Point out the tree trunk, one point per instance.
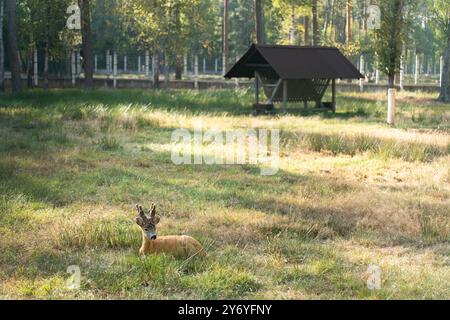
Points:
(332, 14)
(12, 46)
(178, 67)
(315, 23)
(259, 21)
(292, 31)
(327, 19)
(306, 24)
(86, 34)
(349, 23)
(46, 67)
(225, 36)
(2, 50)
(166, 71)
(391, 81)
(444, 95)
(30, 68)
(178, 49)
(155, 62)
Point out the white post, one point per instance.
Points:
(78, 63)
(73, 69)
(196, 72)
(256, 88)
(292, 36)
(107, 61)
(377, 76)
(402, 71)
(185, 64)
(139, 64)
(236, 80)
(216, 66)
(441, 71)
(115, 69)
(204, 65)
(391, 107)
(35, 62)
(362, 67)
(111, 67)
(155, 63)
(147, 63)
(95, 64)
(125, 63)
(224, 64)
(417, 71)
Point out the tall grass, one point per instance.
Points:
(351, 145)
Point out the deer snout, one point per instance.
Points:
(151, 235)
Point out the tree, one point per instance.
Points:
(86, 34)
(291, 10)
(441, 13)
(349, 23)
(389, 39)
(42, 27)
(241, 31)
(389, 44)
(12, 46)
(225, 36)
(2, 49)
(315, 22)
(259, 11)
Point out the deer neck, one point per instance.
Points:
(147, 245)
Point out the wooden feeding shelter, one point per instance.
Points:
(293, 74)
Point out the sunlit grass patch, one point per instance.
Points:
(95, 233)
(220, 282)
(351, 145)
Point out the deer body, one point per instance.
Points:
(180, 246)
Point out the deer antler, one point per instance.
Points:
(141, 212)
(152, 210)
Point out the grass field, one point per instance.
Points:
(351, 192)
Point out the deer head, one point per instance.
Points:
(147, 223)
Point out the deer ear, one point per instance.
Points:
(156, 219)
(139, 221)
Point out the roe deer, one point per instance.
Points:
(181, 246)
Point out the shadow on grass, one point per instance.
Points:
(191, 102)
(231, 102)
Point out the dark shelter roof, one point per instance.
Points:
(294, 62)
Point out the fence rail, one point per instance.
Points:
(204, 84)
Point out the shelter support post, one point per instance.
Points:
(256, 88)
(333, 94)
(275, 90)
(285, 95)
